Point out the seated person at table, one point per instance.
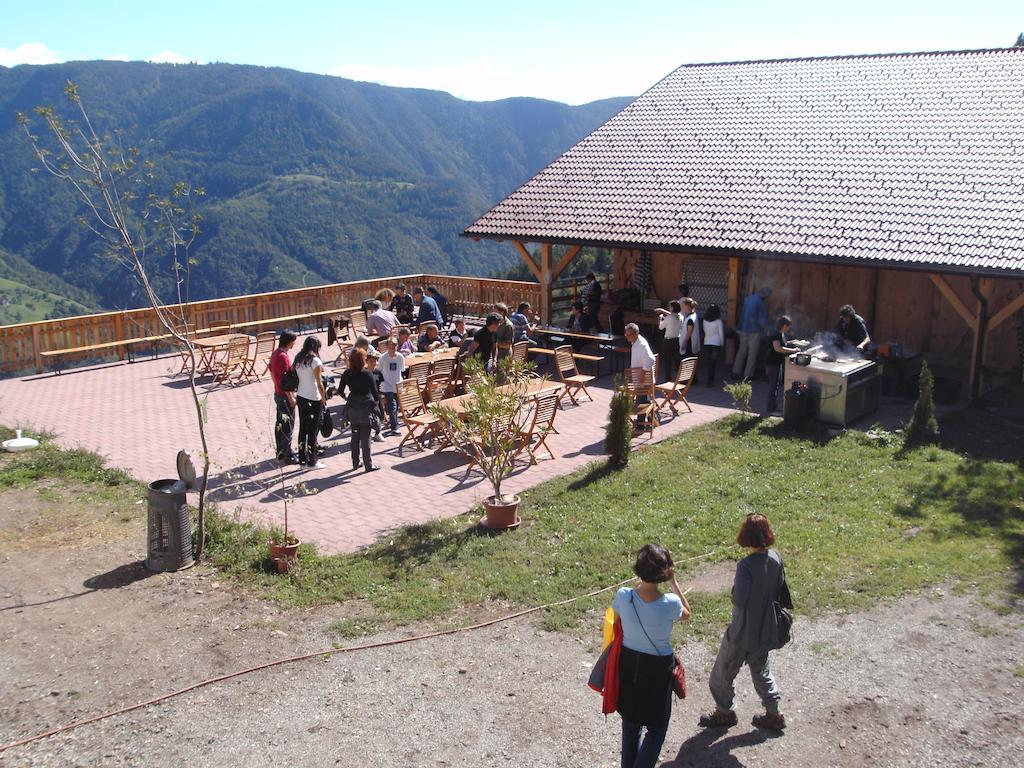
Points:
(579, 322)
(457, 336)
(442, 303)
(522, 325)
(401, 305)
(377, 416)
(505, 333)
(380, 321)
(429, 340)
(405, 345)
(483, 346)
(429, 311)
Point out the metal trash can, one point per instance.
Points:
(168, 528)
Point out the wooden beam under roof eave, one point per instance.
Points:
(1006, 312)
(567, 257)
(527, 259)
(954, 299)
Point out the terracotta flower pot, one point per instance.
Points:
(283, 556)
(501, 516)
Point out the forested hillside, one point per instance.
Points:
(309, 178)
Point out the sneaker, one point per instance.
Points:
(718, 719)
(378, 438)
(372, 468)
(318, 465)
(771, 721)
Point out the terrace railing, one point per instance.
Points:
(22, 344)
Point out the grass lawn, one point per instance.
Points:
(857, 521)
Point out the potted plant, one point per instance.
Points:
(283, 545)
(487, 429)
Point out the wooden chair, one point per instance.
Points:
(445, 365)
(218, 327)
(436, 387)
(418, 372)
(343, 338)
(262, 348)
(570, 376)
(676, 391)
(419, 424)
(479, 443)
(235, 359)
(357, 321)
(640, 383)
(519, 350)
(532, 439)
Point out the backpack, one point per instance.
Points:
(290, 380)
(783, 606)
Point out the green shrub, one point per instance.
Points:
(924, 427)
(741, 392)
(618, 431)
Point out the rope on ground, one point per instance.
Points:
(317, 654)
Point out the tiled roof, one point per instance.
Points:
(915, 160)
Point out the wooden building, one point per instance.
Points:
(894, 183)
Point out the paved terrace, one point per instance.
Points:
(140, 415)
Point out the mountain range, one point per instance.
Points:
(309, 178)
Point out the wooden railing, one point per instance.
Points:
(22, 344)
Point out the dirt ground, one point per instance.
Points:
(935, 679)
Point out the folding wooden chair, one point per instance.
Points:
(676, 391)
(436, 387)
(261, 350)
(519, 351)
(446, 366)
(418, 372)
(570, 376)
(343, 338)
(419, 424)
(640, 383)
(532, 439)
(218, 327)
(236, 359)
(357, 321)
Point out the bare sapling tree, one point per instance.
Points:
(122, 206)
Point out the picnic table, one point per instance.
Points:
(210, 347)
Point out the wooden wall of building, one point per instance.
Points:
(897, 305)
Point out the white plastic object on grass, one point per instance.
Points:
(20, 443)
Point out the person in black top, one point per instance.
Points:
(483, 345)
(579, 322)
(851, 328)
(774, 360)
(363, 397)
(592, 294)
(401, 305)
(442, 303)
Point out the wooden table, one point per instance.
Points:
(565, 333)
(210, 346)
(532, 388)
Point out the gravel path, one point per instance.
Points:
(931, 680)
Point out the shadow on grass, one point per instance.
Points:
(987, 496)
(594, 474)
(984, 435)
(418, 544)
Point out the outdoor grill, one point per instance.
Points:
(841, 391)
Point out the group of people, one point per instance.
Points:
(688, 335)
(646, 660)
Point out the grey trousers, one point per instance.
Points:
(727, 665)
(746, 355)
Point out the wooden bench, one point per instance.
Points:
(57, 355)
(594, 360)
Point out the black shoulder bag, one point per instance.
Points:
(783, 605)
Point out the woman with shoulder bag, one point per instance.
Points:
(646, 663)
(362, 401)
(753, 632)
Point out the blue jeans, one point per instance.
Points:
(391, 403)
(640, 755)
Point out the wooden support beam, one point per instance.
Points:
(982, 290)
(1006, 313)
(954, 299)
(545, 283)
(564, 261)
(733, 310)
(528, 259)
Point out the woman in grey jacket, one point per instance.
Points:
(753, 631)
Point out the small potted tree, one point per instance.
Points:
(283, 544)
(487, 429)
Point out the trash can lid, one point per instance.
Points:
(187, 469)
(168, 486)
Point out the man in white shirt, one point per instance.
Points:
(391, 365)
(640, 356)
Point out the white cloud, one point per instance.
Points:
(168, 57)
(117, 57)
(28, 53)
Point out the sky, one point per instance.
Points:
(564, 50)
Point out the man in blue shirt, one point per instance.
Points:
(442, 303)
(753, 319)
(429, 312)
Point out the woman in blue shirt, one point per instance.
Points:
(645, 665)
